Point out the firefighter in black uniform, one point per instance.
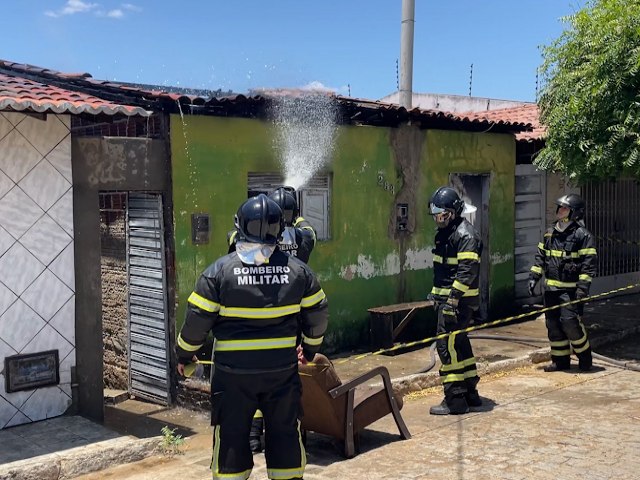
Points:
(298, 240)
(255, 301)
(456, 265)
(567, 259)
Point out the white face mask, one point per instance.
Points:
(254, 253)
(288, 236)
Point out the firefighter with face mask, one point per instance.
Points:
(456, 266)
(567, 259)
(255, 301)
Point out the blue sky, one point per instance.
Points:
(350, 46)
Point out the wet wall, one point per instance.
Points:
(367, 262)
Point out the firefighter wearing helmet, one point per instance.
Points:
(256, 301)
(456, 296)
(566, 258)
(298, 239)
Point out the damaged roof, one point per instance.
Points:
(29, 88)
(523, 114)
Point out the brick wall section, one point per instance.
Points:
(114, 299)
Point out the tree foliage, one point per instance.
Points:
(590, 102)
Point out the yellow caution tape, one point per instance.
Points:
(471, 329)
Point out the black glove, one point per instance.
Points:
(580, 293)
(532, 286)
(449, 311)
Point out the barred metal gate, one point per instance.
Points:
(613, 216)
(148, 320)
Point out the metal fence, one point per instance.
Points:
(613, 216)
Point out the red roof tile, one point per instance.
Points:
(20, 94)
(525, 113)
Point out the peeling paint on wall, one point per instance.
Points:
(366, 268)
(419, 259)
(500, 258)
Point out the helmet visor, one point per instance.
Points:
(434, 210)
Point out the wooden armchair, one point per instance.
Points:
(342, 410)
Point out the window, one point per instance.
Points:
(313, 198)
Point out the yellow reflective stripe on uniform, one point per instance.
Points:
(203, 303)
(244, 475)
(232, 237)
(453, 377)
(443, 260)
(254, 344)
(468, 256)
(581, 349)
(541, 246)
(562, 253)
(460, 286)
(266, 312)
(585, 277)
(536, 269)
(474, 292)
(285, 473)
(465, 363)
(312, 341)
(560, 353)
(186, 345)
(311, 300)
(561, 343)
(471, 373)
(449, 312)
(587, 251)
(557, 283)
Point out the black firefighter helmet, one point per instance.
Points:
(573, 202)
(285, 197)
(446, 199)
(259, 220)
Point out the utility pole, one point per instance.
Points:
(406, 53)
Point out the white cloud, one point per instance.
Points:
(319, 86)
(131, 7)
(72, 7)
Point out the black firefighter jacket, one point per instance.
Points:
(456, 262)
(255, 313)
(567, 259)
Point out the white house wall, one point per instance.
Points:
(37, 285)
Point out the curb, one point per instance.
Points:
(81, 460)
(420, 381)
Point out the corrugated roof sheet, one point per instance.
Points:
(523, 114)
(25, 94)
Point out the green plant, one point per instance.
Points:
(171, 443)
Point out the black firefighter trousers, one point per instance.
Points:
(458, 371)
(566, 330)
(234, 399)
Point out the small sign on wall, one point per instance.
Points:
(31, 370)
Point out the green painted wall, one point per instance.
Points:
(360, 266)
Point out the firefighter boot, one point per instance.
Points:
(556, 367)
(454, 406)
(255, 436)
(473, 398)
(585, 361)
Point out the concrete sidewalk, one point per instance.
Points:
(66, 447)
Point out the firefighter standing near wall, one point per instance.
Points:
(567, 259)
(298, 240)
(255, 301)
(456, 296)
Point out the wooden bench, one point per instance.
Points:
(381, 322)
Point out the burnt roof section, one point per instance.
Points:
(113, 98)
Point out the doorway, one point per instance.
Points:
(474, 190)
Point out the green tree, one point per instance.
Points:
(590, 102)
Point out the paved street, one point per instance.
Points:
(536, 425)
